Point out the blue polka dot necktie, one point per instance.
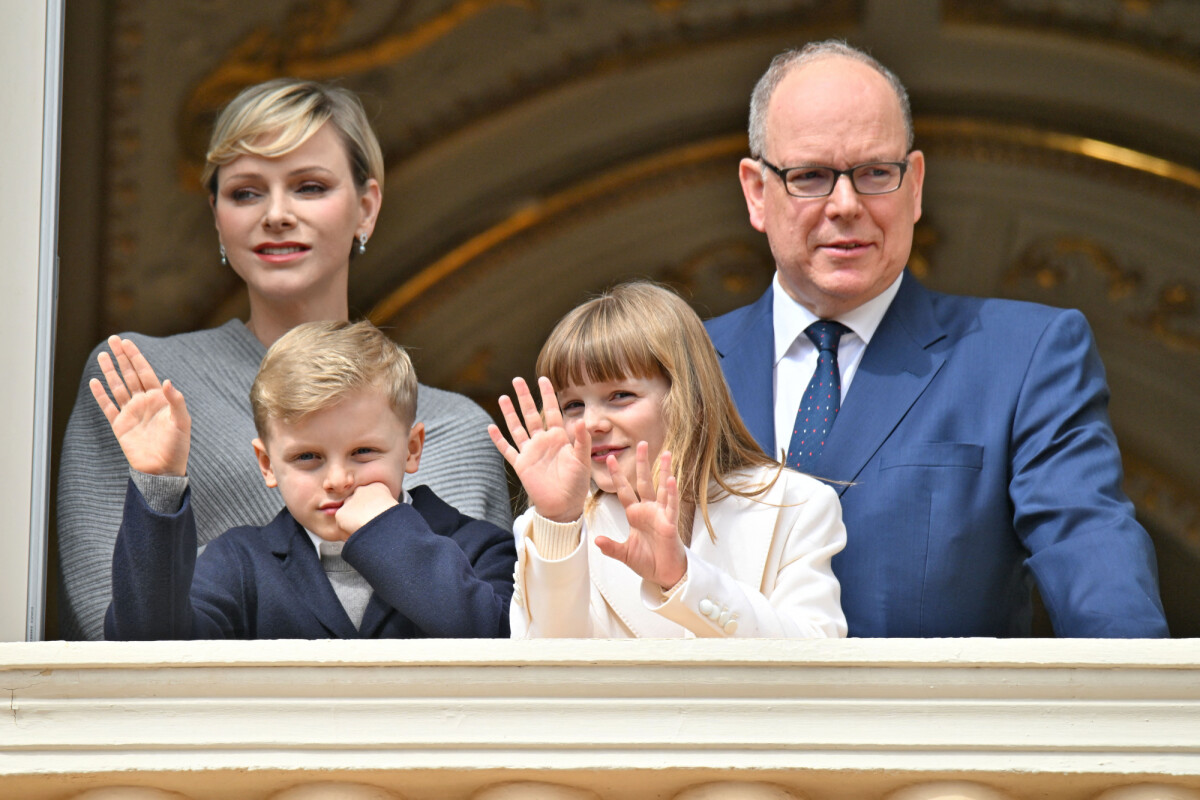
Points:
(821, 400)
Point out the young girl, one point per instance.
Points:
(653, 513)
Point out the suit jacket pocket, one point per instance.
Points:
(934, 454)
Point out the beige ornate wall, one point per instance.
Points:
(539, 150)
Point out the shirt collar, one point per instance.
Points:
(325, 547)
(791, 318)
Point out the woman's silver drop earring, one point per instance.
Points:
(224, 258)
(362, 243)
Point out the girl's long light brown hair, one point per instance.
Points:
(643, 330)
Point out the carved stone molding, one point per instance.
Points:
(949, 790)
(1160, 28)
(632, 720)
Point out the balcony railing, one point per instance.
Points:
(627, 720)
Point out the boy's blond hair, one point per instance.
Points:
(314, 366)
(272, 119)
(644, 330)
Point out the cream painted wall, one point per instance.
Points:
(23, 47)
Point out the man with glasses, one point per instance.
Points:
(972, 447)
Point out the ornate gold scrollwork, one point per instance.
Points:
(299, 49)
(589, 193)
(1048, 264)
(1176, 301)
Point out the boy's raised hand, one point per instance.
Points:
(653, 550)
(363, 505)
(552, 461)
(149, 419)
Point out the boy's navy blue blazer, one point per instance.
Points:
(436, 573)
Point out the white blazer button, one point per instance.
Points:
(723, 620)
(731, 627)
(706, 607)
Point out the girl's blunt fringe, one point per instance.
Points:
(642, 329)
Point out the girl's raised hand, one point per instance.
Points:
(552, 462)
(653, 549)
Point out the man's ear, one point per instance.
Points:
(416, 443)
(916, 177)
(750, 173)
(264, 463)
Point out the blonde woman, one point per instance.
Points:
(295, 180)
(653, 513)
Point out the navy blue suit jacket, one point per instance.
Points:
(435, 572)
(976, 436)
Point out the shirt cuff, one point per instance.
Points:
(163, 493)
(555, 541)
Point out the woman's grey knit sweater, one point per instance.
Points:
(214, 369)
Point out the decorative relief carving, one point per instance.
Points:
(1170, 315)
(949, 790)
(987, 141)
(1149, 791)
(1048, 263)
(534, 790)
(1175, 305)
(566, 39)
(722, 276)
(1163, 500)
(1157, 27)
(307, 44)
(738, 790)
(544, 217)
(122, 232)
(335, 790)
(925, 239)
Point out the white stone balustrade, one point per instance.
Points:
(964, 719)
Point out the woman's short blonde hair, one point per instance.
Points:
(644, 330)
(273, 118)
(316, 365)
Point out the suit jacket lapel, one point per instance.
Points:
(894, 371)
(745, 529)
(747, 357)
(302, 568)
(377, 613)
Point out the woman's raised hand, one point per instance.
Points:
(653, 550)
(149, 419)
(551, 460)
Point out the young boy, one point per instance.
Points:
(353, 555)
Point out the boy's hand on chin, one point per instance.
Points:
(365, 504)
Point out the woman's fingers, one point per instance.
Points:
(178, 405)
(125, 365)
(140, 366)
(107, 406)
(120, 394)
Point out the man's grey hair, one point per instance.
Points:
(788, 60)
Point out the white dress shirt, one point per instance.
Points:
(796, 355)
